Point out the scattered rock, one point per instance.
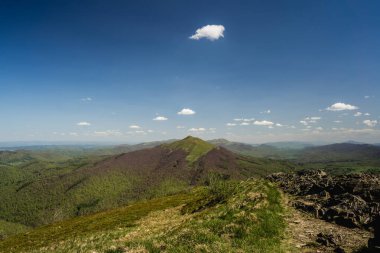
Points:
(374, 243)
(327, 240)
(339, 249)
(348, 200)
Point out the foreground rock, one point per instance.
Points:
(347, 200)
(374, 243)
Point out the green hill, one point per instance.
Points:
(38, 192)
(224, 217)
(194, 147)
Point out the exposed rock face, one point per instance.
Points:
(374, 243)
(347, 200)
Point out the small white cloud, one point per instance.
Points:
(337, 121)
(134, 127)
(263, 123)
(84, 123)
(366, 97)
(303, 122)
(319, 128)
(180, 127)
(150, 131)
(370, 123)
(367, 114)
(186, 111)
(266, 112)
(201, 129)
(313, 118)
(160, 118)
(341, 107)
(244, 124)
(245, 120)
(107, 133)
(357, 114)
(230, 124)
(210, 32)
(279, 125)
(87, 99)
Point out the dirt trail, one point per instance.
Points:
(303, 230)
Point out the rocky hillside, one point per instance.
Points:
(348, 200)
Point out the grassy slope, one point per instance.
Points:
(10, 228)
(247, 217)
(194, 146)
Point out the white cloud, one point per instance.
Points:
(186, 111)
(150, 131)
(84, 123)
(244, 124)
(107, 133)
(357, 114)
(366, 97)
(180, 127)
(160, 118)
(337, 121)
(279, 125)
(370, 123)
(245, 120)
(201, 129)
(230, 124)
(341, 107)
(266, 112)
(367, 114)
(87, 99)
(263, 123)
(319, 128)
(210, 32)
(134, 127)
(312, 118)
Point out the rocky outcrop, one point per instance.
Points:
(347, 200)
(374, 243)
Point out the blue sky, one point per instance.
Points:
(104, 70)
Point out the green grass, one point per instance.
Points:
(9, 228)
(223, 217)
(249, 221)
(90, 225)
(195, 147)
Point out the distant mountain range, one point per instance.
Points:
(340, 152)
